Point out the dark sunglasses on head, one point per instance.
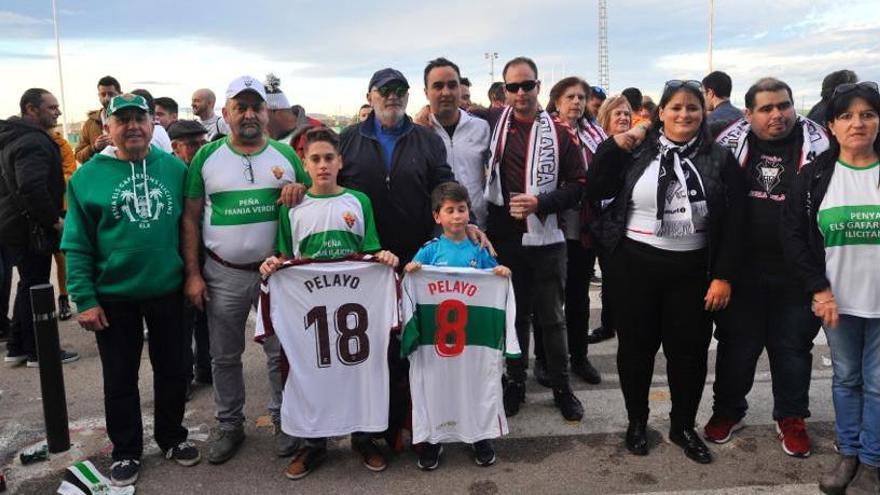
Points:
(678, 83)
(399, 90)
(847, 87)
(525, 85)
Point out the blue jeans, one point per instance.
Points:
(855, 388)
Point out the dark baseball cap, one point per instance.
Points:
(184, 128)
(385, 76)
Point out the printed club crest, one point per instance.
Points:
(278, 172)
(349, 218)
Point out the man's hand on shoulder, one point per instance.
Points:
(292, 194)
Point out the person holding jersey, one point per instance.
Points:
(672, 233)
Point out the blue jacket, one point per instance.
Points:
(401, 197)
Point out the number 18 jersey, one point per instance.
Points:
(334, 321)
(459, 326)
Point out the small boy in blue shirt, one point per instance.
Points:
(451, 206)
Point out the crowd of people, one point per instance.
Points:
(757, 225)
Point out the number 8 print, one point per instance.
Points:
(451, 319)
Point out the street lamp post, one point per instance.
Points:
(60, 74)
(491, 57)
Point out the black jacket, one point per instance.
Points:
(30, 164)
(402, 197)
(802, 242)
(614, 172)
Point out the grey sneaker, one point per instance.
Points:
(835, 480)
(226, 444)
(285, 445)
(865, 482)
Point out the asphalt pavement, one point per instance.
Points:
(543, 455)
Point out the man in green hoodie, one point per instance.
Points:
(121, 238)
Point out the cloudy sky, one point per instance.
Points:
(324, 52)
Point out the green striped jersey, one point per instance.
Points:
(459, 324)
(328, 227)
(240, 220)
(849, 220)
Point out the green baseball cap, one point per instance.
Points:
(127, 100)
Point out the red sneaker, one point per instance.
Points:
(719, 429)
(792, 433)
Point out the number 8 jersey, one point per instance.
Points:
(334, 321)
(459, 327)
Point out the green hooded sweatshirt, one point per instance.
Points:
(121, 233)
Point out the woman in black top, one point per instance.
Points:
(670, 265)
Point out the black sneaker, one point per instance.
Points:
(15, 357)
(124, 472)
(540, 372)
(184, 453)
(587, 372)
(600, 334)
(64, 312)
(484, 453)
(514, 396)
(66, 357)
(569, 405)
(429, 459)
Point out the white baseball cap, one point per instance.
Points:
(245, 83)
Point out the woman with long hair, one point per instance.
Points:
(671, 231)
(830, 237)
(568, 101)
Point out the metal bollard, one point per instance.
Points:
(51, 375)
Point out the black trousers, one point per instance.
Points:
(120, 347)
(579, 269)
(659, 295)
(769, 311)
(33, 269)
(608, 322)
(201, 351)
(538, 275)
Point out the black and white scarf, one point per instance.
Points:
(542, 173)
(680, 192)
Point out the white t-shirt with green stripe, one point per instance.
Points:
(328, 227)
(849, 220)
(459, 327)
(240, 222)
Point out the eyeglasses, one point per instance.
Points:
(400, 91)
(678, 83)
(847, 87)
(248, 168)
(525, 85)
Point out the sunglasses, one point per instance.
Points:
(248, 168)
(525, 86)
(847, 87)
(400, 91)
(678, 83)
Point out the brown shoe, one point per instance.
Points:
(865, 482)
(304, 461)
(374, 459)
(834, 482)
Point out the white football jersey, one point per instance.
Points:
(334, 321)
(459, 327)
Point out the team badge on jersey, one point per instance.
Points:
(278, 172)
(349, 218)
